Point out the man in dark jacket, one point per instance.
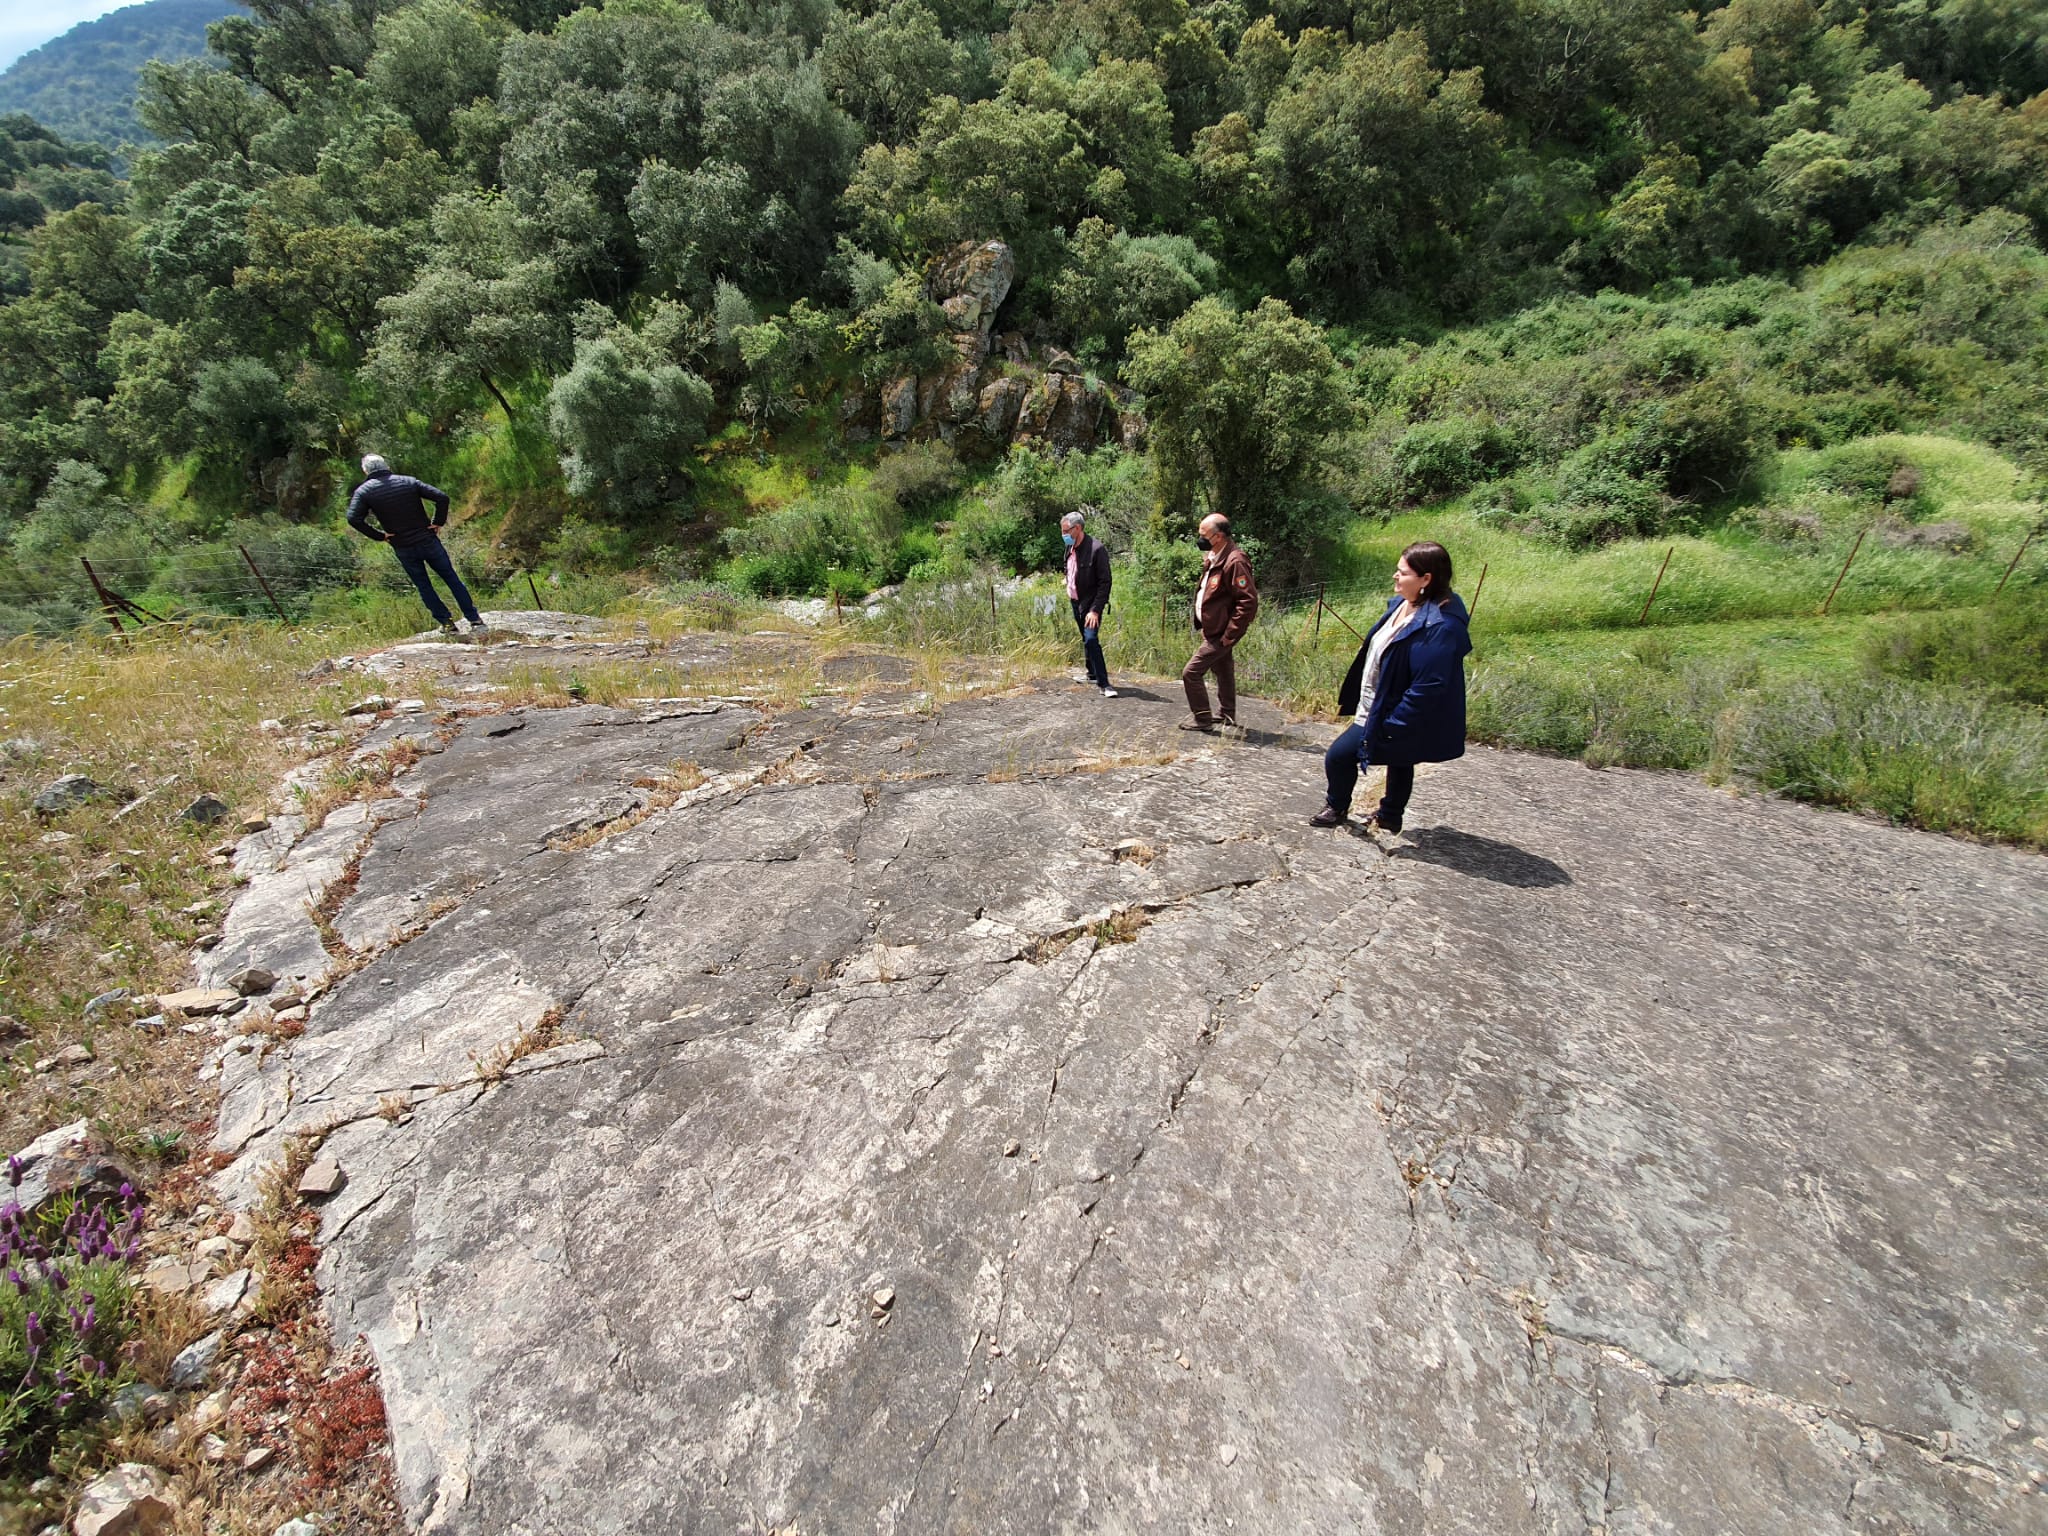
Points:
(398, 502)
(1226, 602)
(1088, 593)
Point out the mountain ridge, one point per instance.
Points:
(82, 84)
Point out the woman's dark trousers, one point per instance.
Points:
(1342, 765)
(1091, 646)
(431, 554)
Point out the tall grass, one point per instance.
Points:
(88, 904)
(1941, 760)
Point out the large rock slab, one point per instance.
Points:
(1611, 1154)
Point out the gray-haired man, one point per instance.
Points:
(398, 502)
(1088, 593)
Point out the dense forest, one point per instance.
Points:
(1594, 262)
(82, 85)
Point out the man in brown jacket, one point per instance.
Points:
(1226, 602)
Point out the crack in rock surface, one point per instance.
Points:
(1611, 1155)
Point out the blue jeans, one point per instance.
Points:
(1091, 645)
(1342, 765)
(430, 554)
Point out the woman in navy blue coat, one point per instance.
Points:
(1405, 692)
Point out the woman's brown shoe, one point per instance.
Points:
(1326, 817)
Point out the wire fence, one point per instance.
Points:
(108, 584)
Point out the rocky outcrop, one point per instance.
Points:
(996, 393)
(1013, 1116)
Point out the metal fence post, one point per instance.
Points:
(1644, 616)
(276, 606)
(106, 599)
(2014, 565)
(1824, 607)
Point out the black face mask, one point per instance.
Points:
(1202, 542)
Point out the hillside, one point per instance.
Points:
(82, 85)
(805, 300)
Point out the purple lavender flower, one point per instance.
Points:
(15, 1170)
(34, 1331)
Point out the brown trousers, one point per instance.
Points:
(1211, 657)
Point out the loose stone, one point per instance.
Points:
(199, 1002)
(195, 1362)
(254, 981)
(60, 795)
(128, 1501)
(105, 1003)
(324, 1178)
(226, 1293)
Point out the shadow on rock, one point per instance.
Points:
(1470, 854)
(1253, 736)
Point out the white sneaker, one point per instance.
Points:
(1109, 693)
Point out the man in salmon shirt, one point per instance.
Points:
(1226, 602)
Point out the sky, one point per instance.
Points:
(26, 24)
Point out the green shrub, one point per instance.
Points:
(625, 431)
(918, 554)
(296, 561)
(579, 545)
(1442, 458)
(1930, 758)
(1600, 501)
(1020, 527)
(1649, 710)
(51, 616)
(2000, 651)
(1869, 470)
(917, 477)
(795, 550)
(76, 507)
